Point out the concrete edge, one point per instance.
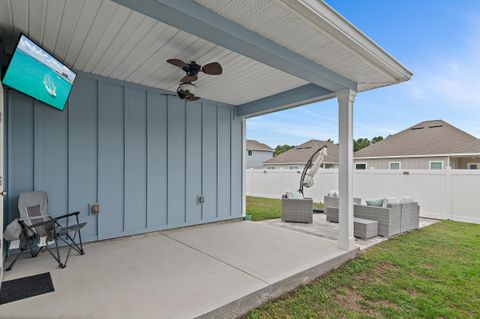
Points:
(247, 303)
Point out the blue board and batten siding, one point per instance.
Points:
(143, 155)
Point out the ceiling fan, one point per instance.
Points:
(186, 87)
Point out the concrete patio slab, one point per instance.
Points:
(268, 253)
(211, 271)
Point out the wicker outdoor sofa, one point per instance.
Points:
(332, 201)
(392, 220)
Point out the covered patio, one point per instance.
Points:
(154, 162)
(212, 271)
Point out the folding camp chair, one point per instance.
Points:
(38, 226)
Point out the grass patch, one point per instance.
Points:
(267, 208)
(430, 273)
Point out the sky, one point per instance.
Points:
(438, 40)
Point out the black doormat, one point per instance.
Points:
(26, 287)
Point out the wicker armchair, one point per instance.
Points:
(297, 210)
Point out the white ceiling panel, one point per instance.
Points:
(104, 38)
(82, 29)
(278, 22)
(71, 14)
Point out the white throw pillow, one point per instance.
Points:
(294, 195)
(392, 200)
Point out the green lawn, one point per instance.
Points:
(266, 208)
(430, 273)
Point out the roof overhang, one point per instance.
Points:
(266, 68)
(325, 17)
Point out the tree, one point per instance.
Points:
(282, 149)
(331, 141)
(360, 143)
(376, 139)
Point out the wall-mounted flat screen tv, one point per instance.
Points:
(35, 72)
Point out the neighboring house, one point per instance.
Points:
(297, 157)
(426, 145)
(257, 153)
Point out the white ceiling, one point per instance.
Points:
(104, 38)
(278, 21)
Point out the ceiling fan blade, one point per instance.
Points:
(189, 78)
(193, 98)
(213, 68)
(178, 62)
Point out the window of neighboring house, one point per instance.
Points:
(473, 165)
(394, 165)
(293, 167)
(436, 164)
(328, 166)
(361, 166)
(250, 153)
(270, 167)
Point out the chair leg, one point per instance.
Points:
(18, 255)
(57, 257)
(82, 252)
(76, 246)
(71, 245)
(33, 253)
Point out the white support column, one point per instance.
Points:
(244, 166)
(345, 182)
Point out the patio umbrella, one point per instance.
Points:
(311, 168)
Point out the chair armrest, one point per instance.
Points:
(66, 215)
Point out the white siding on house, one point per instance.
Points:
(405, 163)
(462, 163)
(257, 158)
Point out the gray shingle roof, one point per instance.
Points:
(425, 138)
(257, 146)
(301, 153)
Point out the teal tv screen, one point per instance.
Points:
(36, 73)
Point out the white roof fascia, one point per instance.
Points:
(325, 17)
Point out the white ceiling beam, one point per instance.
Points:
(299, 96)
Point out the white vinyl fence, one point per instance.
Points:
(445, 194)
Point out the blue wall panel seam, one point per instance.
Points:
(231, 159)
(124, 152)
(9, 155)
(35, 146)
(166, 175)
(97, 182)
(146, 159)
(68, 160)
(217, 161)
(185, 164)
(202, 168)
